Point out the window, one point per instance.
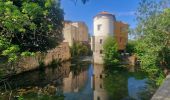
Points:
(101, 51)
(101, 41)
(101, 76)
(98, 98)
(99, 27)
(101, 86)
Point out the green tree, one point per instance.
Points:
(83, 1)
(11, 51)
(79, 49)
(111, 55)
(153, 46)
(7, 49)
(130, 47)
(34, 25)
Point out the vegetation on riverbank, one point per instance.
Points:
(80, 49)
(111, 55)
(25, 30)
(35, 29)
(152, 44)
(153, 48)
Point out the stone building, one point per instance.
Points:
(105, 25)
(75, 32)
(121, 34)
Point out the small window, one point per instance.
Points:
(101, 51)
(101, 41)
(100, 76)
(99, 27)
(101, 86)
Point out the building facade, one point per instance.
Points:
(103, 28)
(105, 25)
(121, 34)
(75, 32)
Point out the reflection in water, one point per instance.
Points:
(135, 86)
(98, 84)
(80, 82)
(125, 84)
(80, 86)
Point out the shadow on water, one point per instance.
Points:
(76, 81)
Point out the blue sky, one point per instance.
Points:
(123, 10)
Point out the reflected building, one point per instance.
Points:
(74, 83)
(75, 86)
(98, 83)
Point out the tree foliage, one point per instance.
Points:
(79, 49)
(153, 46)
(83, 1)
(11, 51)
(111, 55)
(31, 24)
(130, 47)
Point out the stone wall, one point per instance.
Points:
(61, 52)
(132, 60)
(163, 93)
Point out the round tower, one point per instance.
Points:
(103, 27)
(103, 24)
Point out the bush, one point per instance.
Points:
(79, 49)
(130, 47)
(111, 55)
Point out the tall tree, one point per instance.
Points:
(111, 55)
(153, 46)
(34, 25)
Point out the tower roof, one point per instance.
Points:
(105, 13)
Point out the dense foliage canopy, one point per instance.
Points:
(111, 55)
(80, 49)
(153, 44)
(33, 25)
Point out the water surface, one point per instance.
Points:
(82, 81)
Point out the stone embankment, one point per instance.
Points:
(61, 53)
(163, 93)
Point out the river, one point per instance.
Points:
(81, 81)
